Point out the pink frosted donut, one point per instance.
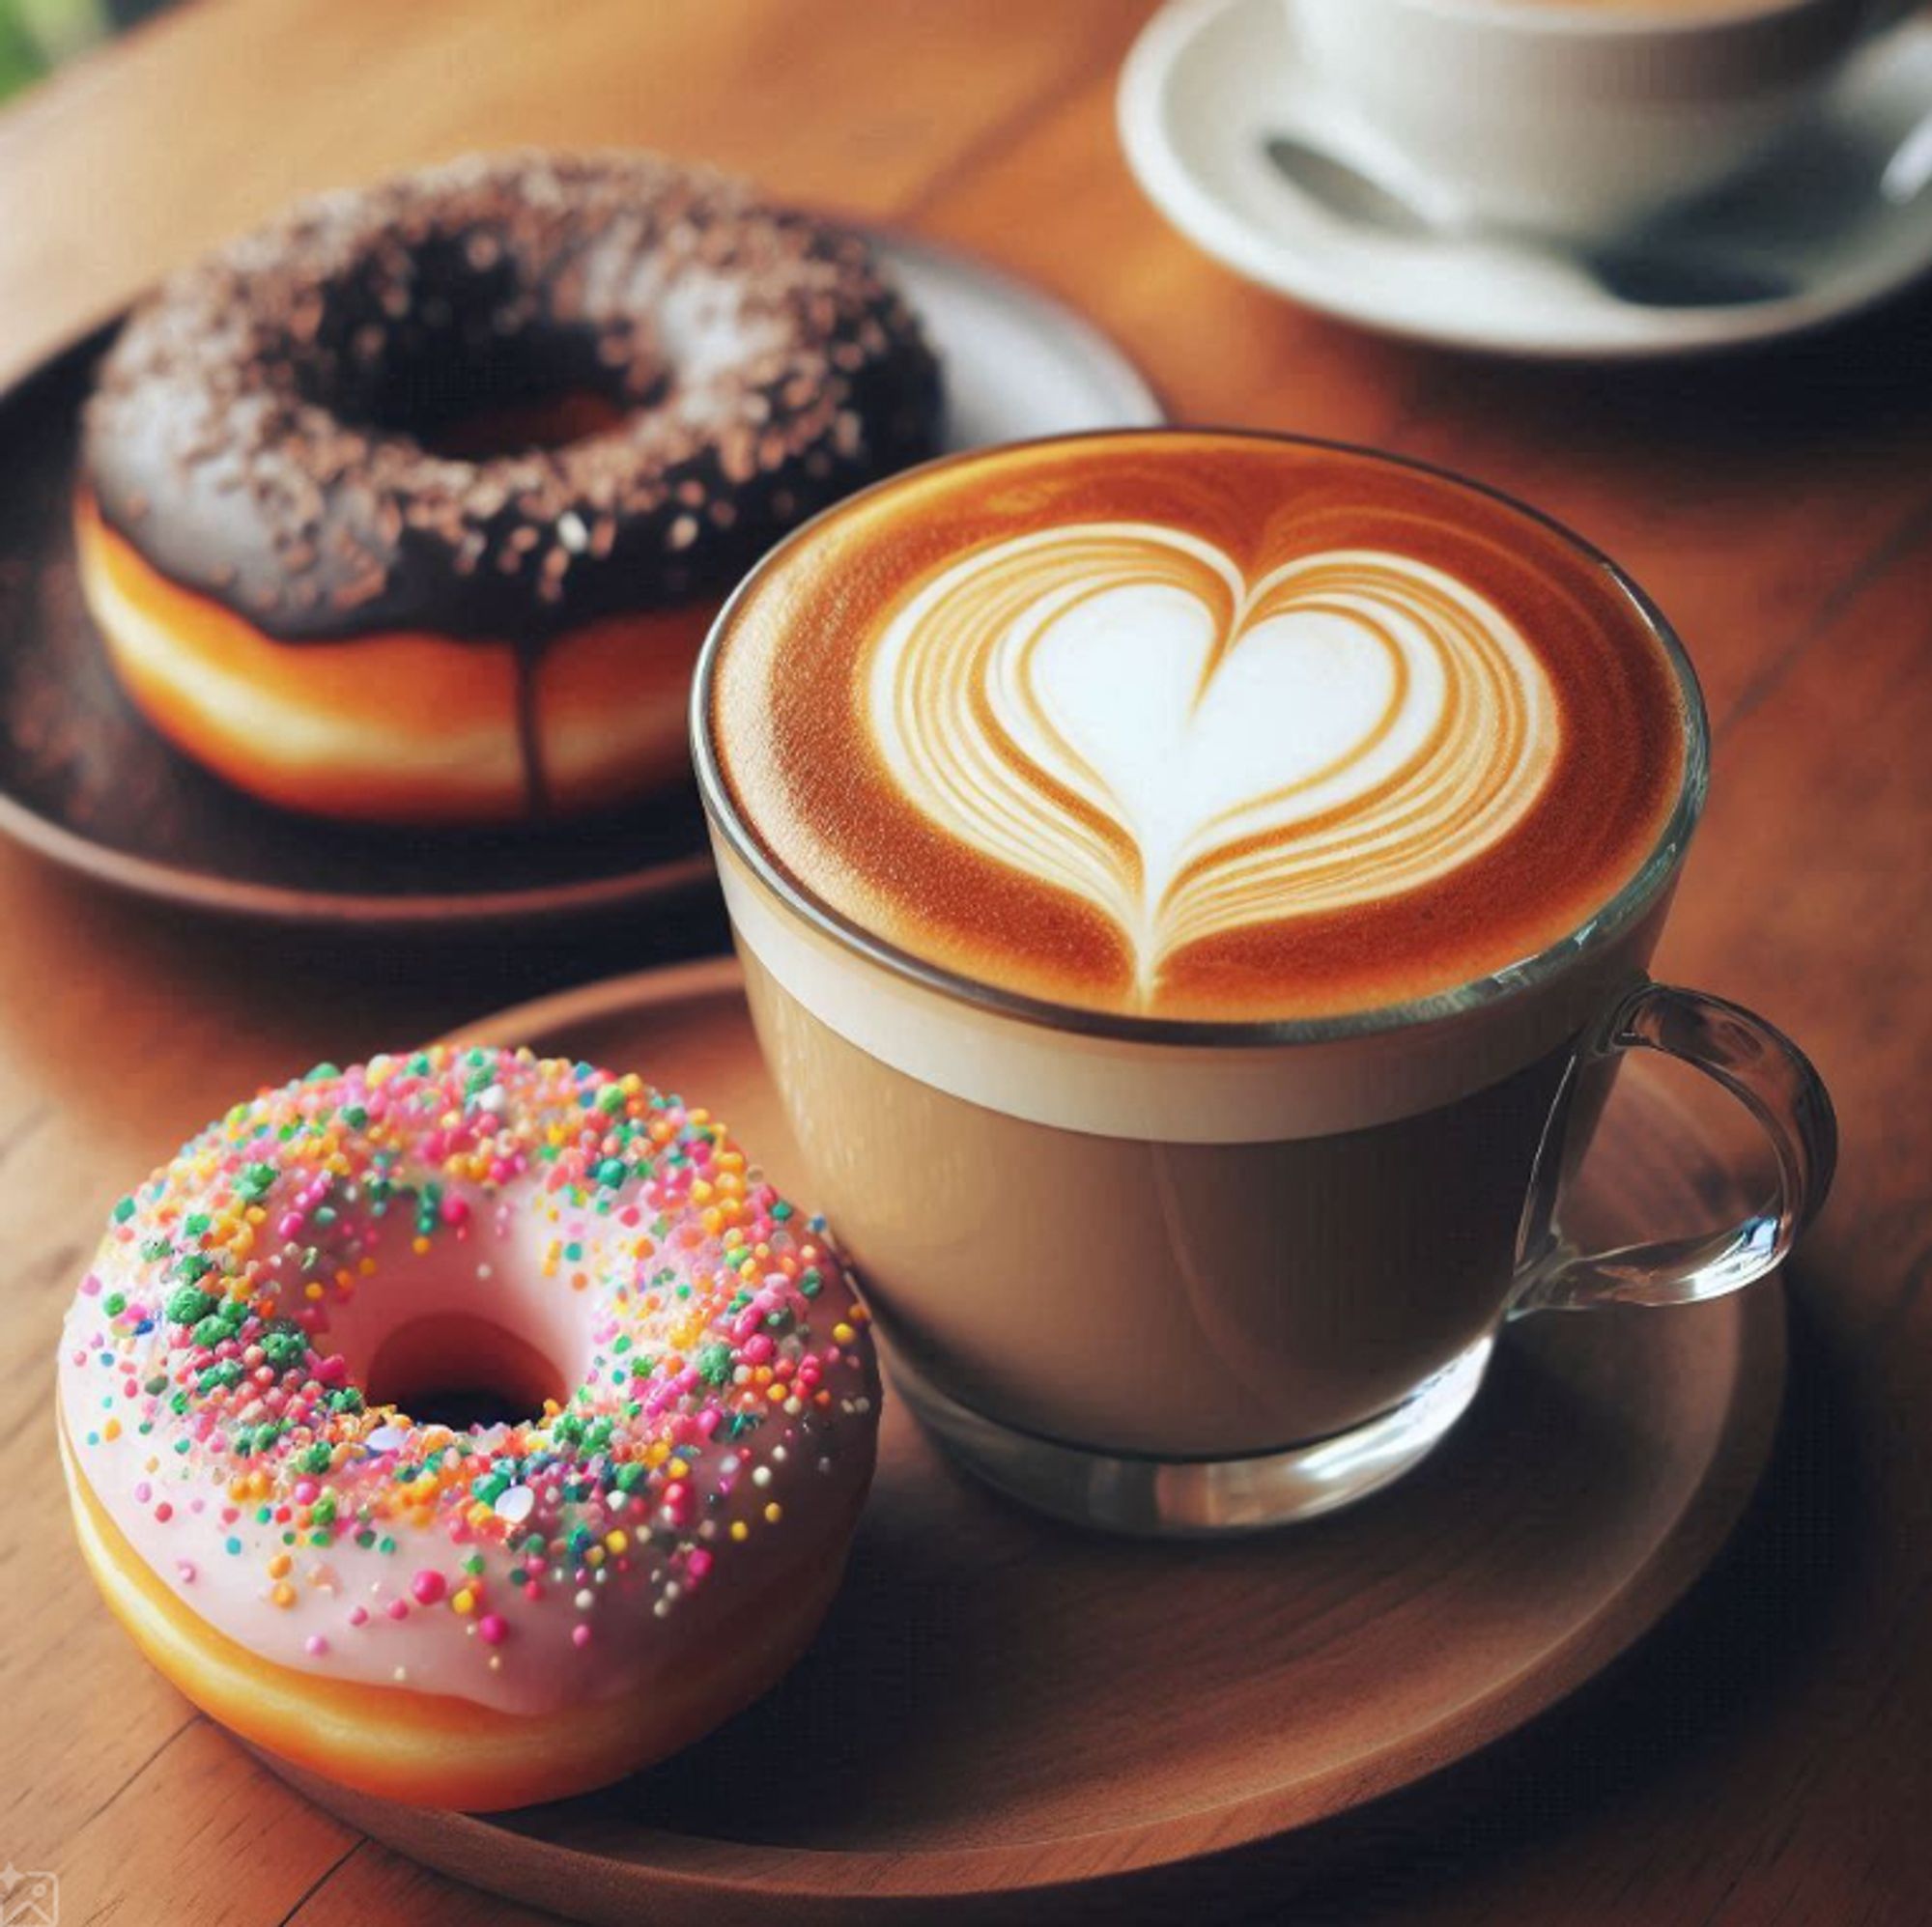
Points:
(467, 1614)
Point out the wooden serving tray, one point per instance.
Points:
(1006, 1717)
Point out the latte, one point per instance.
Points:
(1024, 769)
(1197, 725)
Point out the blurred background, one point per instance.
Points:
(35, 35)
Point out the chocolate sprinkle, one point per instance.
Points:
(266, 430)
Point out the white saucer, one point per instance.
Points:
(1208, 80)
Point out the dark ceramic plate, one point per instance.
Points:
(86, 782)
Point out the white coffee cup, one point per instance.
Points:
(1573, 117)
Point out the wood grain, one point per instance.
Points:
(1763, 1759)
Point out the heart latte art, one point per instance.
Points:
(1190, 725)
(1113, 708)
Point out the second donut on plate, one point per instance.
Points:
(413, 505)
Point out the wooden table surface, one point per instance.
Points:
(1767, 1757)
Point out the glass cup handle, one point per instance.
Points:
(1770, 1076)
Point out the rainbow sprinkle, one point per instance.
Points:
(718, 1330)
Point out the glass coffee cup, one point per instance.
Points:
(1110, 828)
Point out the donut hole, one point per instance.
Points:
(455, 1369)
(445, 342)
(519, 427)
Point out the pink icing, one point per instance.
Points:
(723, 1393)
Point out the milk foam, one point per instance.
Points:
(1196, 726)
(1114, 708)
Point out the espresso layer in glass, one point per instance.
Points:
(1198, 725)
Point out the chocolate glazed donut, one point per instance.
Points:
(414, 504)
